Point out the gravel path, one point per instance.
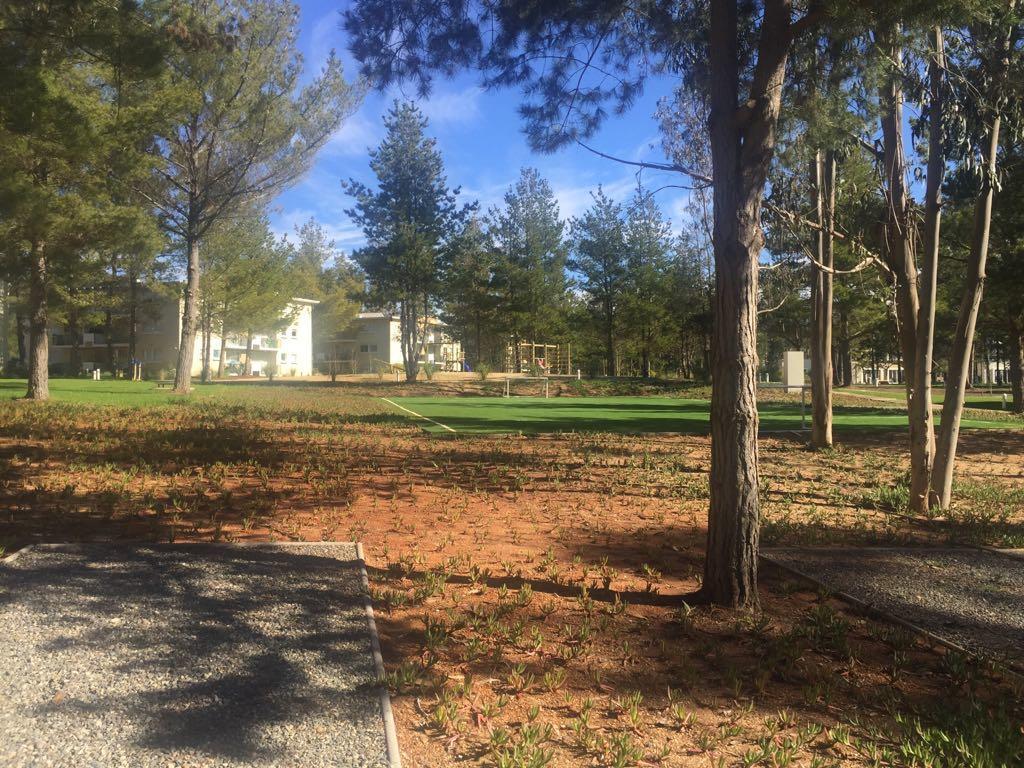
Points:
(971, 597)
(191, 655)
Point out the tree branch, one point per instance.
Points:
(706, 180)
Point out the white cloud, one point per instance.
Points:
(346, 236)
(356, 136)
(452, 107)
(574, 199)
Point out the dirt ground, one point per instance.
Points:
(528, 590)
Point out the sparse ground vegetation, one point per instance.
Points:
(528, 589)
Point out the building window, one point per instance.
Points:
(295, 333)
(295, 359)
(284, 357)
(216, 354)
(364, 347)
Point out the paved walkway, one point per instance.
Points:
(971, 597)
(193, 655)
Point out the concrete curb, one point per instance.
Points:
(390, 733)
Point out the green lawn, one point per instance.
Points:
(975, 398)
(537, 415)
(116, 392)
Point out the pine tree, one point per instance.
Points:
(62, 131)
(529, 241)
(407, 221)
(647, 307)
(471, 302)
(599, 257)
(243, 125)
(323, 273)
(249, 282)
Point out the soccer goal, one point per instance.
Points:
(512, 381)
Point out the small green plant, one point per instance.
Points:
(483, 370)
(554, 680)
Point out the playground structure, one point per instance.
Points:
(549, 359)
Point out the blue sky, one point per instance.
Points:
(479, 135)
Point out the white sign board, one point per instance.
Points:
(793, 370)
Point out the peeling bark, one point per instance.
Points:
(824, 170)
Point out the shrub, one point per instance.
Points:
(429, 369)
(483, 370)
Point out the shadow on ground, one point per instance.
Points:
(206, 654)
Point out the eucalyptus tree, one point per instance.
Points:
(989, 64)
(244, 126)
(596, 52)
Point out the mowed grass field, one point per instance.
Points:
(976, 398)
(627, 415)
(493, 415)
(110, 391)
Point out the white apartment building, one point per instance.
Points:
(374, 338)
(289, 352)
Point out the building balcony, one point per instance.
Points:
(86, 340)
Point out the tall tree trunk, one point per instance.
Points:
(409, 329)
(1017, 366)
(742, 147)
(845, 355)
(21, 331)
(609, 341)
(922, 447)
(133, 316)
(898, 251)
(189, 319)
(75, 330)
(223, 349)
(203, 351)
(247, 371)
(207, 367)
(108, 315)
(963, 338)
(824, 176)
(39, 342)
(645, 355)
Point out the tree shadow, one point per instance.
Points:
(971, 597)
(237, 655)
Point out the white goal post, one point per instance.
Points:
(510, 379)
